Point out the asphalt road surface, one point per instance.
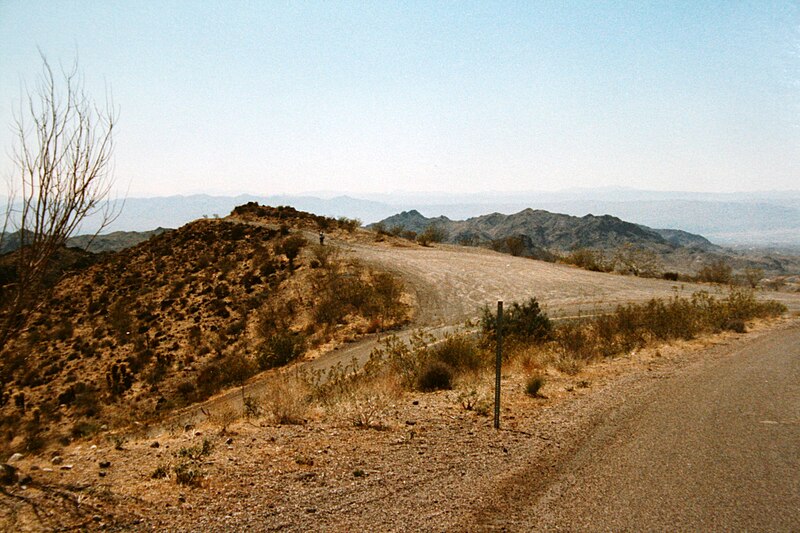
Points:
(715, 448)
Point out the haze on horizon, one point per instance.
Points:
(270, 98)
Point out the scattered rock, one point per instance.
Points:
(306, 476)
(57, 460)
(155, 444)
(14, 458)
(229, 441)
(66, 467)
(411, 422)
(8, 474)
(311, 510)
(26, 480)
(105, 464)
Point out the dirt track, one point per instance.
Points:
(452, 283)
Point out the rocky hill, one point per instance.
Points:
(550, 231)
(172, 320)
(543, 235)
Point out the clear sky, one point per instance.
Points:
(288, 97)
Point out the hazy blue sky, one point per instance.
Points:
(269, 97)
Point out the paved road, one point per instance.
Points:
(714, 448)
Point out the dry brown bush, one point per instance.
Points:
(287, 400)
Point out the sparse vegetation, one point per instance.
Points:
(717, 271)
(432, 234)
(426, 364)
(587, 259)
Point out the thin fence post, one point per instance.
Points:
(498, 364)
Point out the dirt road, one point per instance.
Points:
(714, 448)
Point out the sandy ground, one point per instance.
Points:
(452, 282)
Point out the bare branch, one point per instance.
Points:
(63, 160)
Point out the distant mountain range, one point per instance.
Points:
(544, 235)
(550, 231)
(764, 219)
(110, 242)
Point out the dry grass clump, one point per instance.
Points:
(287, 400)
(534, 384)
(635, 326)
(368, 405)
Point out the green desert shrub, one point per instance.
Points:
(718, 271)
(588, 259)
(280, 349)
(459, 352)
(435, 375)
(431, 234)
(525, 323)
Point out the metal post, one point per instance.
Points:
(498, 364)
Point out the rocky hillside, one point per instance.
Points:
(550, 231)
(543, 235)
(177, 318)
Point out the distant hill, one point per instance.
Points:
(113, 242)
(550, 231)
(110, 242)
(543, 235)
